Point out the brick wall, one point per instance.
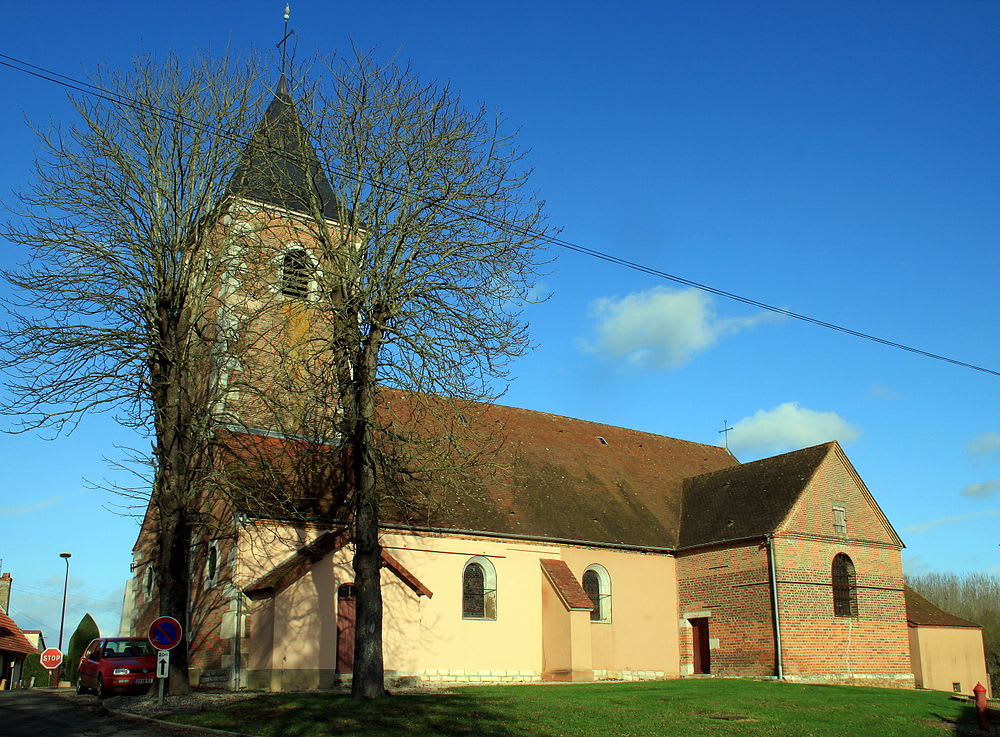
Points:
(875, 642)
(729, 586)
(836, 484)
(818, 642)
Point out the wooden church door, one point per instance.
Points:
(345, 628)
(700, 643)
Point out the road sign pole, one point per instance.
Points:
(164, 634)
(162, 670)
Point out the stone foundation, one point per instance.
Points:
(878, 680)
(629, 675)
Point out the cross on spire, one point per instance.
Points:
(288, 34)
(725, 432)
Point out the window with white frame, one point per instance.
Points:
(212, 565)
(597, 584)
(296, 273)
(479, 589)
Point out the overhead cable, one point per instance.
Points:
(119, 99)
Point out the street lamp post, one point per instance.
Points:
(62, 620)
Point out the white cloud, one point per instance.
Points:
(880, 391)
(915, 565)
(662, 328)
(987, 444)
(789, 426)
(923, 527)
(38, 606)
(982, 489)
(25, 508)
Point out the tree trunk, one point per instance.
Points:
(175, 541)
(368, 681)
(173, 485)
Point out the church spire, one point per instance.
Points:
(280, 166)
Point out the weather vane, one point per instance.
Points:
(725, 432)
(288, 34)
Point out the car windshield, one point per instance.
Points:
(126, 648)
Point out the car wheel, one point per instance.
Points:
(79, 685)
(101, 691)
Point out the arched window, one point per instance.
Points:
(150, 578)
(479, 589)
(597, 584)
(212, 564)
(845, 593)
(296, 272)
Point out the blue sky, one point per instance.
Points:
(836, 159)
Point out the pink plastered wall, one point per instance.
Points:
(296, 629)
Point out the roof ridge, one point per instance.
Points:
(750, 464)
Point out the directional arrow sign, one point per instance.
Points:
(164, 633)
(162, 663)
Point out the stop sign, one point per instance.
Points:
(50, 658)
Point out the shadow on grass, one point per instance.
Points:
(967, 723)
(318, 715)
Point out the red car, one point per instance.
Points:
(116, 665)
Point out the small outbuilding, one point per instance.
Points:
(14, 646)
(947, 651)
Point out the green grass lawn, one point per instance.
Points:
(686, 708)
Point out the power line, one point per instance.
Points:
(57, 596)
(22, 616)
(119, 99)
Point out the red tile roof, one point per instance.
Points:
(566, 585)
(12, 640)
(299, 563)
(539, 475)
(404, 575)
(921, 612)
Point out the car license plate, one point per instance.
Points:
(140, 681)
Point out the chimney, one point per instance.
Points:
(5, 583)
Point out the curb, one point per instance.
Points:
(152, 720)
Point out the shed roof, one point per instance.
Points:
(12, 640)
(921, 612)
(572, 594)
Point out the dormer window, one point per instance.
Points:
(296, 271)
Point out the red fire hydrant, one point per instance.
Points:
(981, 711)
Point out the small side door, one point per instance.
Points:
(345, 628)
(702, 645)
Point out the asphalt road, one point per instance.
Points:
(41, 714)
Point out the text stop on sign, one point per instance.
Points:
(51, 658)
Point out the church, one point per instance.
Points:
(577, 552)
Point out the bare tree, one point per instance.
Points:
(155, 233)
(421, 278)
(116, 308)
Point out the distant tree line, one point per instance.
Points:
(972, 596)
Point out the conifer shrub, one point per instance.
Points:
(86, 631)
